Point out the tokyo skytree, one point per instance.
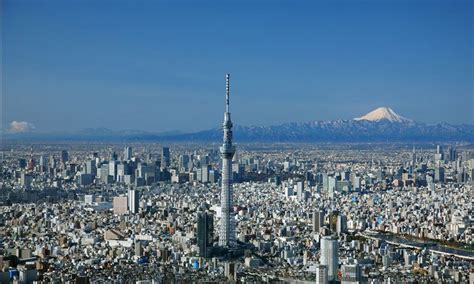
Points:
(227, 226)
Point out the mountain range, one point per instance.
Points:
(379, 125)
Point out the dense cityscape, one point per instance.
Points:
(339, 151)
(302, 212)
(290, 213)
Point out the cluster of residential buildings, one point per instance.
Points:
(301, 213)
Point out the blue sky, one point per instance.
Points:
(160, 65)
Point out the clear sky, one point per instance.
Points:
(160, 65)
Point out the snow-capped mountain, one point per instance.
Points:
(339, 131)
(384, 113)
(380, 125)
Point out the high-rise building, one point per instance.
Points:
(205, 233)
(452, 154)
(332, 185)
(91, 167)
(113, 156)
(227, 226)
(205, 173)
(183, 162)
(165, 157)
(52, 162)
(133, 201)
(43, 163)
(300, 190)
(439, 174)
(356, 183)
(85, 179)
(127, 153)
(413, 157)
(439, 153)
(113, 169)
(213, 175)
(322, 274)
(64, 156)
(122, 170)
(203, 160)
(341, 225)
(329, 256)
(104, 173)
(25, 180)
(318, 220)
(351, 274)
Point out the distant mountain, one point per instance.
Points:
(383, 113)
(91, 134)
(339, 131)
(380, 125)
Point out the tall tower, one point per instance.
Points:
(227, 226)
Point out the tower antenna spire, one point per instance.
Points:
(227, 91)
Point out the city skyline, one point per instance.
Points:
(351, 160)
(145, 212)
(91, 66)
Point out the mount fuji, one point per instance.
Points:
(384, 113)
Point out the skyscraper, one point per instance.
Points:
(300, 190)
(205, 233)
(439, 174)
(91, 167)
(341, 225)
(329, 256)
(322, 274)
(64, 156)
(413, 157)
(351, 274)
(133, 201)
(25, 180)
(452, 154)
(227, 227)
(318, 220)
(439, 154)
(113, 169)
(127, 153)
(165, 157)
(183, 162)
(43, 163)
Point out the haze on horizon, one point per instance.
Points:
(159, 66)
